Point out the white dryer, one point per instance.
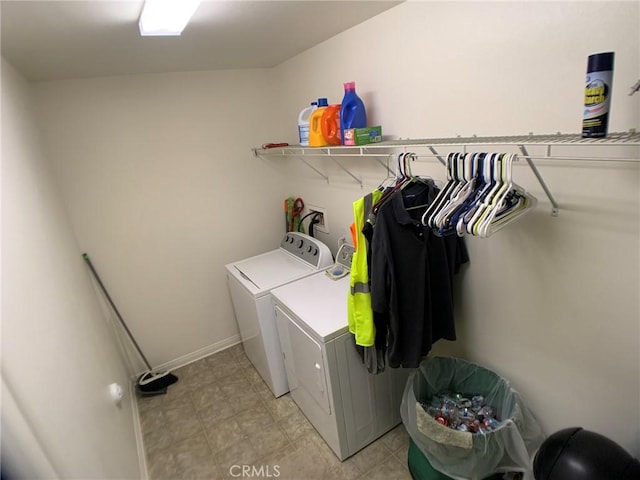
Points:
(250, 283)
(347, 405)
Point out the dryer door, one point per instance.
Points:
(304, 361)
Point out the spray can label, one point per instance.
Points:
(597, 97)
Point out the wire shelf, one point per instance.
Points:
(627, 139)
(523, 143)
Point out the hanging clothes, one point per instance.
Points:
(360, 315)
(359, 311)
(411, 273)
(370, 339)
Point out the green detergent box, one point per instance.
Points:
(362, 136)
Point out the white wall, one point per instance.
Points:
(550, 303)
(157, 174)
(163, 191)
(58, 353)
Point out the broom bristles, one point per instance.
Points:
(155, 382)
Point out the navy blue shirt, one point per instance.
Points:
(411, 276)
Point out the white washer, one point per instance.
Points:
(347, 405)
(250, 283)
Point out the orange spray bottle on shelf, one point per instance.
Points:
(330, 125)
(316, 139)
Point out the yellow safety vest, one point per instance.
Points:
(359, 310)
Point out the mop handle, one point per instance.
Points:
(104, 290)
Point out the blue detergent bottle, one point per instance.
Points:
(352, 111)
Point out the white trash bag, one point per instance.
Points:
(463, 455)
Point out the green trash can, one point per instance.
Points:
(421, 469)
(463, 455)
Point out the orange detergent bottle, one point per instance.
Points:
(330, 125)
(316, 139)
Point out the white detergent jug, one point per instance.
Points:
(303, 123)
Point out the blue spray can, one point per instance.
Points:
(597, 95)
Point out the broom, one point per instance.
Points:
(150, 382)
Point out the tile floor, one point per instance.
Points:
(220, 417)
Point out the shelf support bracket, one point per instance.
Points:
(385, 165)
(255, 152)
(348, 172)
(554, 204)
(438, 156)
(315, 169)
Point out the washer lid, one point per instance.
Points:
(319, 302)
(271, 269)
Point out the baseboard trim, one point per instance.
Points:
(137, 428)
(198, 354)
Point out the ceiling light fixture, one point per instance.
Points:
(166, 17)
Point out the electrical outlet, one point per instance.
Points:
(322, 225)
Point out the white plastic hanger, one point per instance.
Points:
(509, 206)
(495, 184)
(428, 217)
(457, 199)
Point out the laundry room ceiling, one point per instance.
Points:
(49, 40)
